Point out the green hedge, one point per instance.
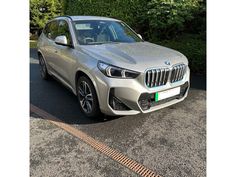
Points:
(158, 21)
(154, 19)
(193, 47)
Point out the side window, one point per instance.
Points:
(50, 30)
(53, 30)
(63, 29)
(46, 29)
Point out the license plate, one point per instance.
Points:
(167, 94)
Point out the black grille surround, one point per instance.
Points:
(160, 76)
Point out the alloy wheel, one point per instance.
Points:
(85, 97)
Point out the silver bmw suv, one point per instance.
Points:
(109, 67)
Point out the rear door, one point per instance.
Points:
(50, 33)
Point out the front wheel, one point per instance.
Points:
(87, 97)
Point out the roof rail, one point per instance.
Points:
(65, 16)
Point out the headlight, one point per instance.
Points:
(116, 72)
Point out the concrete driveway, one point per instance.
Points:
(171, 141)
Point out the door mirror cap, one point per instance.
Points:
(61, 40)
(139, 35)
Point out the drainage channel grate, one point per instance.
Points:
(114, 154)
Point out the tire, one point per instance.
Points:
(87, 97)
(43, 68)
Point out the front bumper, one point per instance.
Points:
(130, 95)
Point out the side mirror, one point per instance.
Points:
(62, 40)
(139, 35)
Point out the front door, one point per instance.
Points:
(63, 58)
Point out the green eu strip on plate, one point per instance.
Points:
(156, 97)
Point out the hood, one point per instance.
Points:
(135, 56)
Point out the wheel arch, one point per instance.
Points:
(80, 73)
(39, 52)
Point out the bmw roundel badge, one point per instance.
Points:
(167, 62)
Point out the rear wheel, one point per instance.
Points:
(43, 68)
(87, 97)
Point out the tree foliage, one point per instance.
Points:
(169, 16)
(155, 19)
(43, 10)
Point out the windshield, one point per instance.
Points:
(91, 32)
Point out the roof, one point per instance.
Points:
(75, 18)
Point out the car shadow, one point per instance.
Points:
(57, 100)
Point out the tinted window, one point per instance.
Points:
(46, 29)
(50, 30)
(53, 30)
(63, 30)
(98, 32)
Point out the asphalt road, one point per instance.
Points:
(171, 141)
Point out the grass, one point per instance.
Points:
(193, 46)
(33, 43)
